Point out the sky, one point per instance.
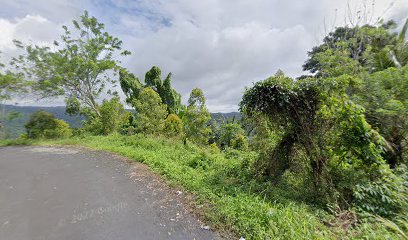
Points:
(220, 46)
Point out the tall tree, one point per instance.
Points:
(80, 66)
(358, 43)
(197, 117)
(384, 95)
(130, 85)
(150, 112)
(169, 96)
(10, 83)
(316, 117)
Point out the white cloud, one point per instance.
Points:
(35, 29)
(220, 46)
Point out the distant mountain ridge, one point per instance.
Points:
(16, 127)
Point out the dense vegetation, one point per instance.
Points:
(319, 157)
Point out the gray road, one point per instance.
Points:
(69, 193)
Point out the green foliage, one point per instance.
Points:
(112, 117)
(232, 135)
(196, 118)
(336, 61)
(169, 96)
(317, 122)
(359, 43)
(150, 112)
(81, 67)
(293, 106)
(384, 95)
(10, 84)
(239, 142)
(173, 126)
(130, 85)
(386, 197)
(72, 106)
(45, 125)
(129, 126)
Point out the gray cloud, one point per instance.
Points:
(219, 46)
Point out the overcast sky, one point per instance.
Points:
(220, 46)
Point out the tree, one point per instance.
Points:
(169, 96)
(232, 135)
(80, 67)
(10, 83)
(316, 120)
(359, 43)
(130, 85)
(112, 117)
(150, 112)
(196, 118)
(44, 125)
(173, 126)
(384, 95)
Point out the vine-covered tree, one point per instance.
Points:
(196, 118)
(315, 117)
(80, 65)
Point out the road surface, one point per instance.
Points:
(72, 193)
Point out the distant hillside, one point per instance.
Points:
(16, 127)
(223, 117)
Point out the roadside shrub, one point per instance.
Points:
(201, 160)
(232, 135)
(44, 125)
(239, 142)
(112, 117)
(150, 112)
(386, 197)
(173, 126)
(129, 125)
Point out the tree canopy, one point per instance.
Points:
(79, 66)
(197, 117)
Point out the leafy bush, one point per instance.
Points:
(173, 126)
(232, 135)
(112, 117)
(387, 196)
(45, 125)
(150, 112)
(196, 118)
(239, 142)
(129, 125)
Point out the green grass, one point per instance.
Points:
(229, 197)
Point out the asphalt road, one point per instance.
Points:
(72, 193)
